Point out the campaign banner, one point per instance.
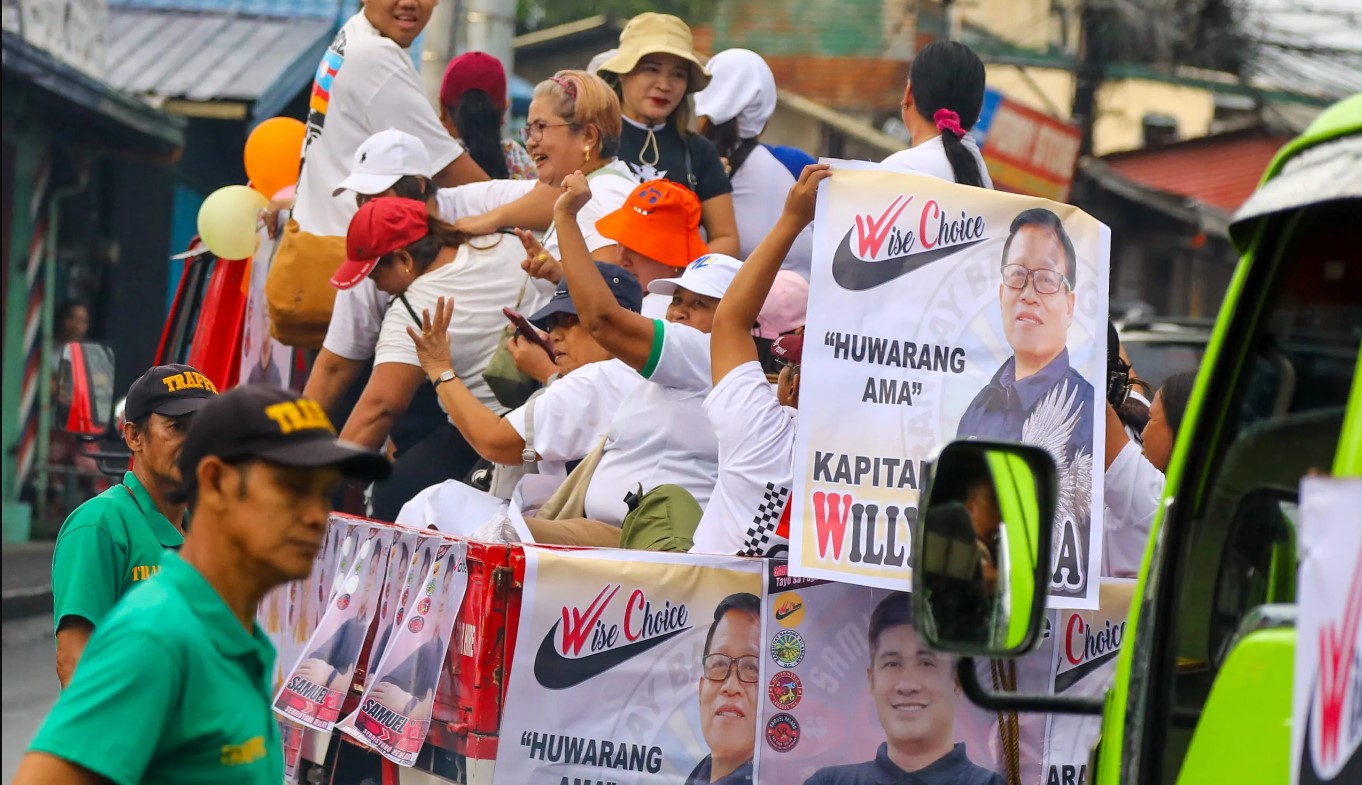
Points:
(316, 686)
(851, 693)
(399, 696)
(1086, 645)
(638, 670)
(1326, 728)
(264, 360)
(940, 312)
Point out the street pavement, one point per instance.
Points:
(30, 684)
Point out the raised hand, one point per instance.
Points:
(576, 193)
(432, 343)
(538, 263)
(803, 195)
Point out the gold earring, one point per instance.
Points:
(586, 153)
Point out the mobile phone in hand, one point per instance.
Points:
(524, 328)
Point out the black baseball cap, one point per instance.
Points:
(171, 390)
(622, 284)
(260, 422)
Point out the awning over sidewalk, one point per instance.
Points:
(69, 88)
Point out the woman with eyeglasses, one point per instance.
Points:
(573, 124)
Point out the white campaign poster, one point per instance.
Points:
(1326, 728)
(1086, 645)
(263, 359)
(399, 696)
(941, 312)
(316, 686)
(633, 667)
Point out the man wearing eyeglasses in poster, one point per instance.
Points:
(1036, 294)
(728, 692)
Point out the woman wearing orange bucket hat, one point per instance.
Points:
(654, 72)
(658, 231)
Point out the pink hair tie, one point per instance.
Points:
(946, 120)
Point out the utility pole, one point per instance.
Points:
(439, 44)
(489, 27)
(1091, 69)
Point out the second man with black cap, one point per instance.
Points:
(175, 683)
(115, 540)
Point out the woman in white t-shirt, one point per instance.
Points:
(419, 259)
(733, 111)
(941, 103)
(659, 435)
(573, 123)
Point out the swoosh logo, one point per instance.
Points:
(787, 612)
(1071, 677)
(555, 672)
(857, 275)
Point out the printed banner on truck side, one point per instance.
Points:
(1085, 645)
(315, 688)
(1326, 731)
(638, 670)
(263, 359)
(941, 312)
(850, 693)
(399, 696)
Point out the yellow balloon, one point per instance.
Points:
(227, 221)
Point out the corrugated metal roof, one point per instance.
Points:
(210, 55)
(293, 9)
(1220, 171)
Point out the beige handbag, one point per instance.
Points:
(569, 501)
(298, 287)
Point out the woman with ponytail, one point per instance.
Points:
(473, 110)
(940, 104)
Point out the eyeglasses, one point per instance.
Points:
(718, 666)
(533, 132)
(1015, 276)
(793, 366)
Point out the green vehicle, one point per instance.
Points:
(1203, 685)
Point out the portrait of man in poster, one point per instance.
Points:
(728, 692)
(914, 691)
(1037, 396)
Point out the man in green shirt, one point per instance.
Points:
(174, 687)
(115, 540)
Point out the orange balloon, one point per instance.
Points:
(274, 152)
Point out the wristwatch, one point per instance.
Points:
(445, 376)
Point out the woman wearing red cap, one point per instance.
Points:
(418, 259)
(473, 110)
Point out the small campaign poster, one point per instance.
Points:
(851, 693)
(940, 312)
(399, 696)
(633, 667)
(263, 359)
(1085, 645)
(1326, 731)
(315, 688)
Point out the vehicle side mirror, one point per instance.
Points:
(85, 388)
(981, 548)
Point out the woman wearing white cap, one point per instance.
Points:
(734, 110)
(654, 73)
(659, 434)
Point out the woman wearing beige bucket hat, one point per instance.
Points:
(654, 72)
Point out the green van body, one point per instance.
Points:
(1242, 732)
